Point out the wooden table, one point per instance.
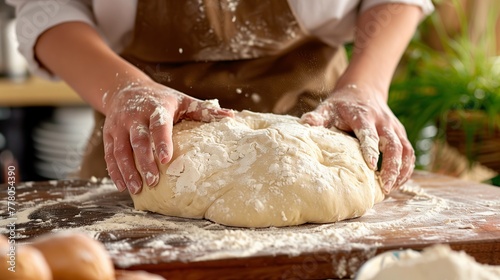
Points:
(432, 209)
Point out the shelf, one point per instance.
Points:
(36, 92)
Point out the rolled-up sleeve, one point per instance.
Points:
(425, 5)
(33, 17)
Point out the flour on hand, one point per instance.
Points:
(261, 170)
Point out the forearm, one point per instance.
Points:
(75, 52)
(382, 35)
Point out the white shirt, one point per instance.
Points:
(332, 21)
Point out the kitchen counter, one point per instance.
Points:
(36, 92)
(430, 209)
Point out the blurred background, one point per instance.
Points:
(446, 92)
(44, 125)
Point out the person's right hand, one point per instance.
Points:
(138, 128)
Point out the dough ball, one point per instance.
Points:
(74, 256)
(261, 170)
(136, 275)
(433, 263)
(29, 263)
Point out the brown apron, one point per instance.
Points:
(248, 54)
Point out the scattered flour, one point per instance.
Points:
(135, 237)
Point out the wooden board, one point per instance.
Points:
(432, 209)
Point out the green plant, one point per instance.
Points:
(463, 77)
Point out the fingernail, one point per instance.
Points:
(388, 186)
(151, 179)
(222, 113)
(120, 186)
(134, 187)
(163, 156)
(400, 182)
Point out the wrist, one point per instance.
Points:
(123, 80)
(363, 86)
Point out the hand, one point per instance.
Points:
(138, 126)
(365, 112)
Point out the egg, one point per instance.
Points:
(75, 256)
(22, 263)
(3, 242)
(136, 275)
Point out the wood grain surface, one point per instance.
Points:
(433, 209)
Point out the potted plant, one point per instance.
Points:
(454, 90)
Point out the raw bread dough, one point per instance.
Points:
(434, 263)
(260, 170)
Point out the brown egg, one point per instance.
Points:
(136, 275)
(75, 256)
(25, 263)
(3, 242)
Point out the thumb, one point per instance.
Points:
(368, 140)
(206, 111)
(314, 118)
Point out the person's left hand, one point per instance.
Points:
(365, 112)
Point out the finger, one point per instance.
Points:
(160, 128)
(345, 118)
(313, 118)
(124, 157)
(369, 143)
(391, 147)
(408, 161)
(112, 166)
(205, 111)
(208, 114)
(143, 151)
(367, 135)
(318, 117)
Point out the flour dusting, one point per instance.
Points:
(136, 237)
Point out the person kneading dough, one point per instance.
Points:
(145, 65)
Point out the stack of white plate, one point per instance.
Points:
(60, 142)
